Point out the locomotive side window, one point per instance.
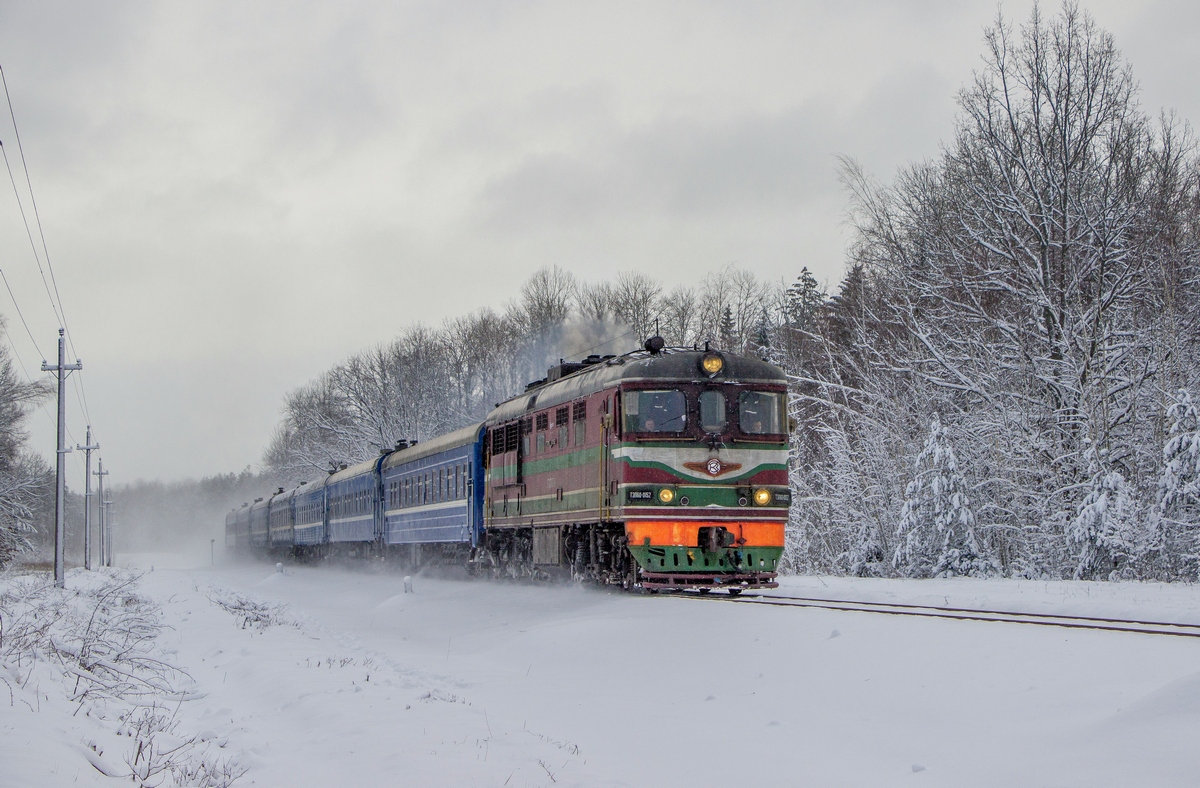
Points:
(543, 424)
(712, 411)
(560, 421)
(654, 411)
(760, 412)
(579, 417)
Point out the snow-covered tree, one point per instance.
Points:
(1179, 485)
(803, 300)
(936, 532)
(1108, 527)
(22, 474)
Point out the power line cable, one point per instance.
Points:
(56, 303)
(29, 232)
(20, 315)
(29, 183)
(12, 345)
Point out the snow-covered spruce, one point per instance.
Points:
(1178, 507)
(1108, 527)
(936, 532)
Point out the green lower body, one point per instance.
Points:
(679, 560)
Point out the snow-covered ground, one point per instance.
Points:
(350, 681)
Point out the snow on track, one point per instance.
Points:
(1099, 623)
(487, 683)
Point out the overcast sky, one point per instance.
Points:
(237, 195)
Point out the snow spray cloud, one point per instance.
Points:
(181, 517)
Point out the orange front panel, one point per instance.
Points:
(674, 532)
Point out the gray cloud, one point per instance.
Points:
(237, 195)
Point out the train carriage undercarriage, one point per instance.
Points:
(600, 553)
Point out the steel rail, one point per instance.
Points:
(965, 614)
(1057, 616)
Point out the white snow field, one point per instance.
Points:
(351, 682)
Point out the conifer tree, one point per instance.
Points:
(1106, 527)
(937, 526)
(1178, 507)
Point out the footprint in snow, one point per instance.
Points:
(916, 767)
(834, 634)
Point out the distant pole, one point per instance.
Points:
(212, 550)
(108, 526)
(87, 498)
(103, 520)
(60, 535)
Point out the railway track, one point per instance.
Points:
(1135, 626)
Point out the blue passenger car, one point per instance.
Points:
(352, 503)
(259, 531)
(308, 511)
(242, 526)
(433, 492)
(280, 520)
(231, 529)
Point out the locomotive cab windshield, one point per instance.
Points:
(655, 411)
(672, 412)
(760, 412)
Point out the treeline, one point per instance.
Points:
(1006, 381)
(429, 381)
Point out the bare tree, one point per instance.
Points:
(635, 302)
(546, 298)
(595, 301)
(679, 311)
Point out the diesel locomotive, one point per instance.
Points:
(665, 468)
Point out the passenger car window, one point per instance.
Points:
(654, 411)
(712, 411)
(760, 412)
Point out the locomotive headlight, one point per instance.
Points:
(762, 496)
(712, 363)
(666, 495)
